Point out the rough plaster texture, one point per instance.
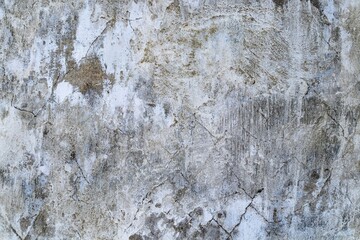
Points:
(179, 119)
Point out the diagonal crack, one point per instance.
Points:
(217, 139)
(261, 215)
(74, 158)
(239, 185)
(328, 110)
(81, 171)
(134, 218)
(108, 23)
(29, 111)
(337, 123)
(15, 232)
(326, 182)
(246, 209)
(249, 133)
(148, 194)
(25, 110)
(221, 226)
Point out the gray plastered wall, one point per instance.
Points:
(179, 119)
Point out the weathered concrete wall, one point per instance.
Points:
(180, 119)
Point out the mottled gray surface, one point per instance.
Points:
(180, 119)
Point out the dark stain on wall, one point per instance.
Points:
(280, 3)
(89, 76)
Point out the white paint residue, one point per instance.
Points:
(118, 97)
(329, 10)
(2, 14)
(14, 139)
(12, 66)
(138, 109)
(159, 116)
(88, 164)
(234, 210)
(253, 150)
(40, 57)
(116, 49)
(63, 91)
(192, 4)
(45, 170)
(86, 33)
(252, 226)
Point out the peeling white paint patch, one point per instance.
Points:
(14, 139)
(116, 51)
(2, 13)
(87, 33)
(118, 98)
(63, 91)
(45, 170)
